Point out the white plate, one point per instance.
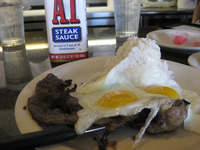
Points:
(164, 38)
(81, 71)
(194, 60)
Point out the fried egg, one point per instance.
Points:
(133, 80)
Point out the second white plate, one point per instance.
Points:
(165, 38)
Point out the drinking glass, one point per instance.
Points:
(17, 68)
(127, 16)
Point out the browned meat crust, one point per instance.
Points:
(52, 104)
(169, 120)
(42, 113)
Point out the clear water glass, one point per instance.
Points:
(127, 17)
(16, 65)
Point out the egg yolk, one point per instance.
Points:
(117, 98)
(167, 91)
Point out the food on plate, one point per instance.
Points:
(186, 40)
(180, 39)
(52, 104)
(136, 89)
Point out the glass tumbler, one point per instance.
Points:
(16, 65)
(127, 16)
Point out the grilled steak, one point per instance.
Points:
(169, 120)
(42, 113)
(52, 104)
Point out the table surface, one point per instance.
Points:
(39, 62)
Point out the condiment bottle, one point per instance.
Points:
(66, 30)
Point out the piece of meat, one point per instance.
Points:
(170, 119)
(42, 113)
(165, 120)
(51, 87)
(51, 102)
(53, 90)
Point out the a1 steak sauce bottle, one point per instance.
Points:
(66, 24)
